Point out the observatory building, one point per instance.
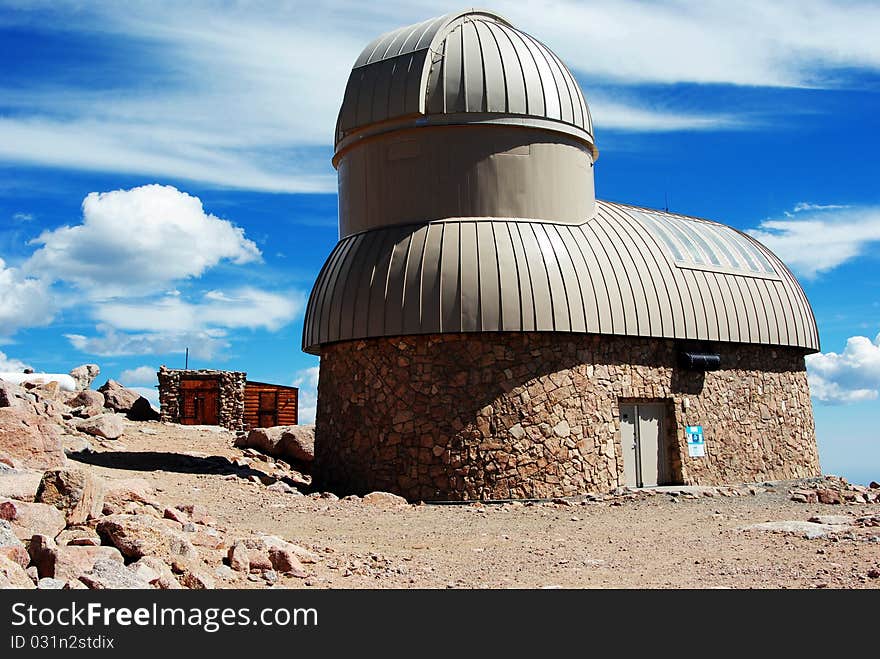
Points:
(489, 330)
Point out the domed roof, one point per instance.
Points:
(463, 68)
(627, 271)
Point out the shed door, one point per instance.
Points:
(268, 410)
(645, 461)
(200, 402)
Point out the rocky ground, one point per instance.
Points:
(171, 506)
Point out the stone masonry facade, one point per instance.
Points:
(231, 394)
(535, 415)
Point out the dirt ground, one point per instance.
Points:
(658, 541)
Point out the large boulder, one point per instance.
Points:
(294, 443)
(84, 375)
(75, 492)
(108, 426)
(19, 484)
(86, 398)
(142, 410)
(67, 562)
(12, 395)
(31, 441)
(29, 519)
(137, 536)
(298, 443)
(117, 397)
(12, 575)
(112, 575)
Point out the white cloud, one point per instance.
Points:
(22, 217)
(239, 308)
(246, 94)
(11, 365)
(25, 301)
(851, 376)
(307, 381)
(815, 239)
(135, 240)
(139, 375)
(633, 116)
(110, 343)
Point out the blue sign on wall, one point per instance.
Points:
(696, 445)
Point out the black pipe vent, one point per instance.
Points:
(700, 361)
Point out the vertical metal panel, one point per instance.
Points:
(450, 279)
(490, 292)
(542, 293)
(432, 267)
(494, 76)
(570, 280)
(670, 308)
(514, 77)
(394, 309)
(527, 295)
(619, 270)
(615, 321)
(474, 71)
(508, 277)
(558, 292)
(584, 274)
(412, 287)
(469, 269)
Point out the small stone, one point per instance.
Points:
(238, 557)
(270, 576)
(48, 583)
(197, 580)
(383, 500)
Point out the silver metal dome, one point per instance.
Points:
(469, 67)
(627, 271)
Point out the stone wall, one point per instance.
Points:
(518, 415)
(231, 395)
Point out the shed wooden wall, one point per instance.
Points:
(286, 407)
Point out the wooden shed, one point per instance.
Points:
(224, 398)
(267, 405)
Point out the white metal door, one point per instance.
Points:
(628, 445)
(649, 443)
(644, 455)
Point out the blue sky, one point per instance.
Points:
(165, 177)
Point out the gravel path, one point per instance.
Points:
(658, 541)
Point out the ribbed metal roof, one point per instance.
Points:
(627, 271)
(462, 68)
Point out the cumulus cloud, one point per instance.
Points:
(239, 308)
(11, 365)
(25, 301)
(135, 240)
(307, 381)
(224, 100)
(848, 377)
(139, 375)
(206, 344)
(813, 239)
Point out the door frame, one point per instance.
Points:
(208, 383)
(668, 467)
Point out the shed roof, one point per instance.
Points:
(627, 271)
(467, 67)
